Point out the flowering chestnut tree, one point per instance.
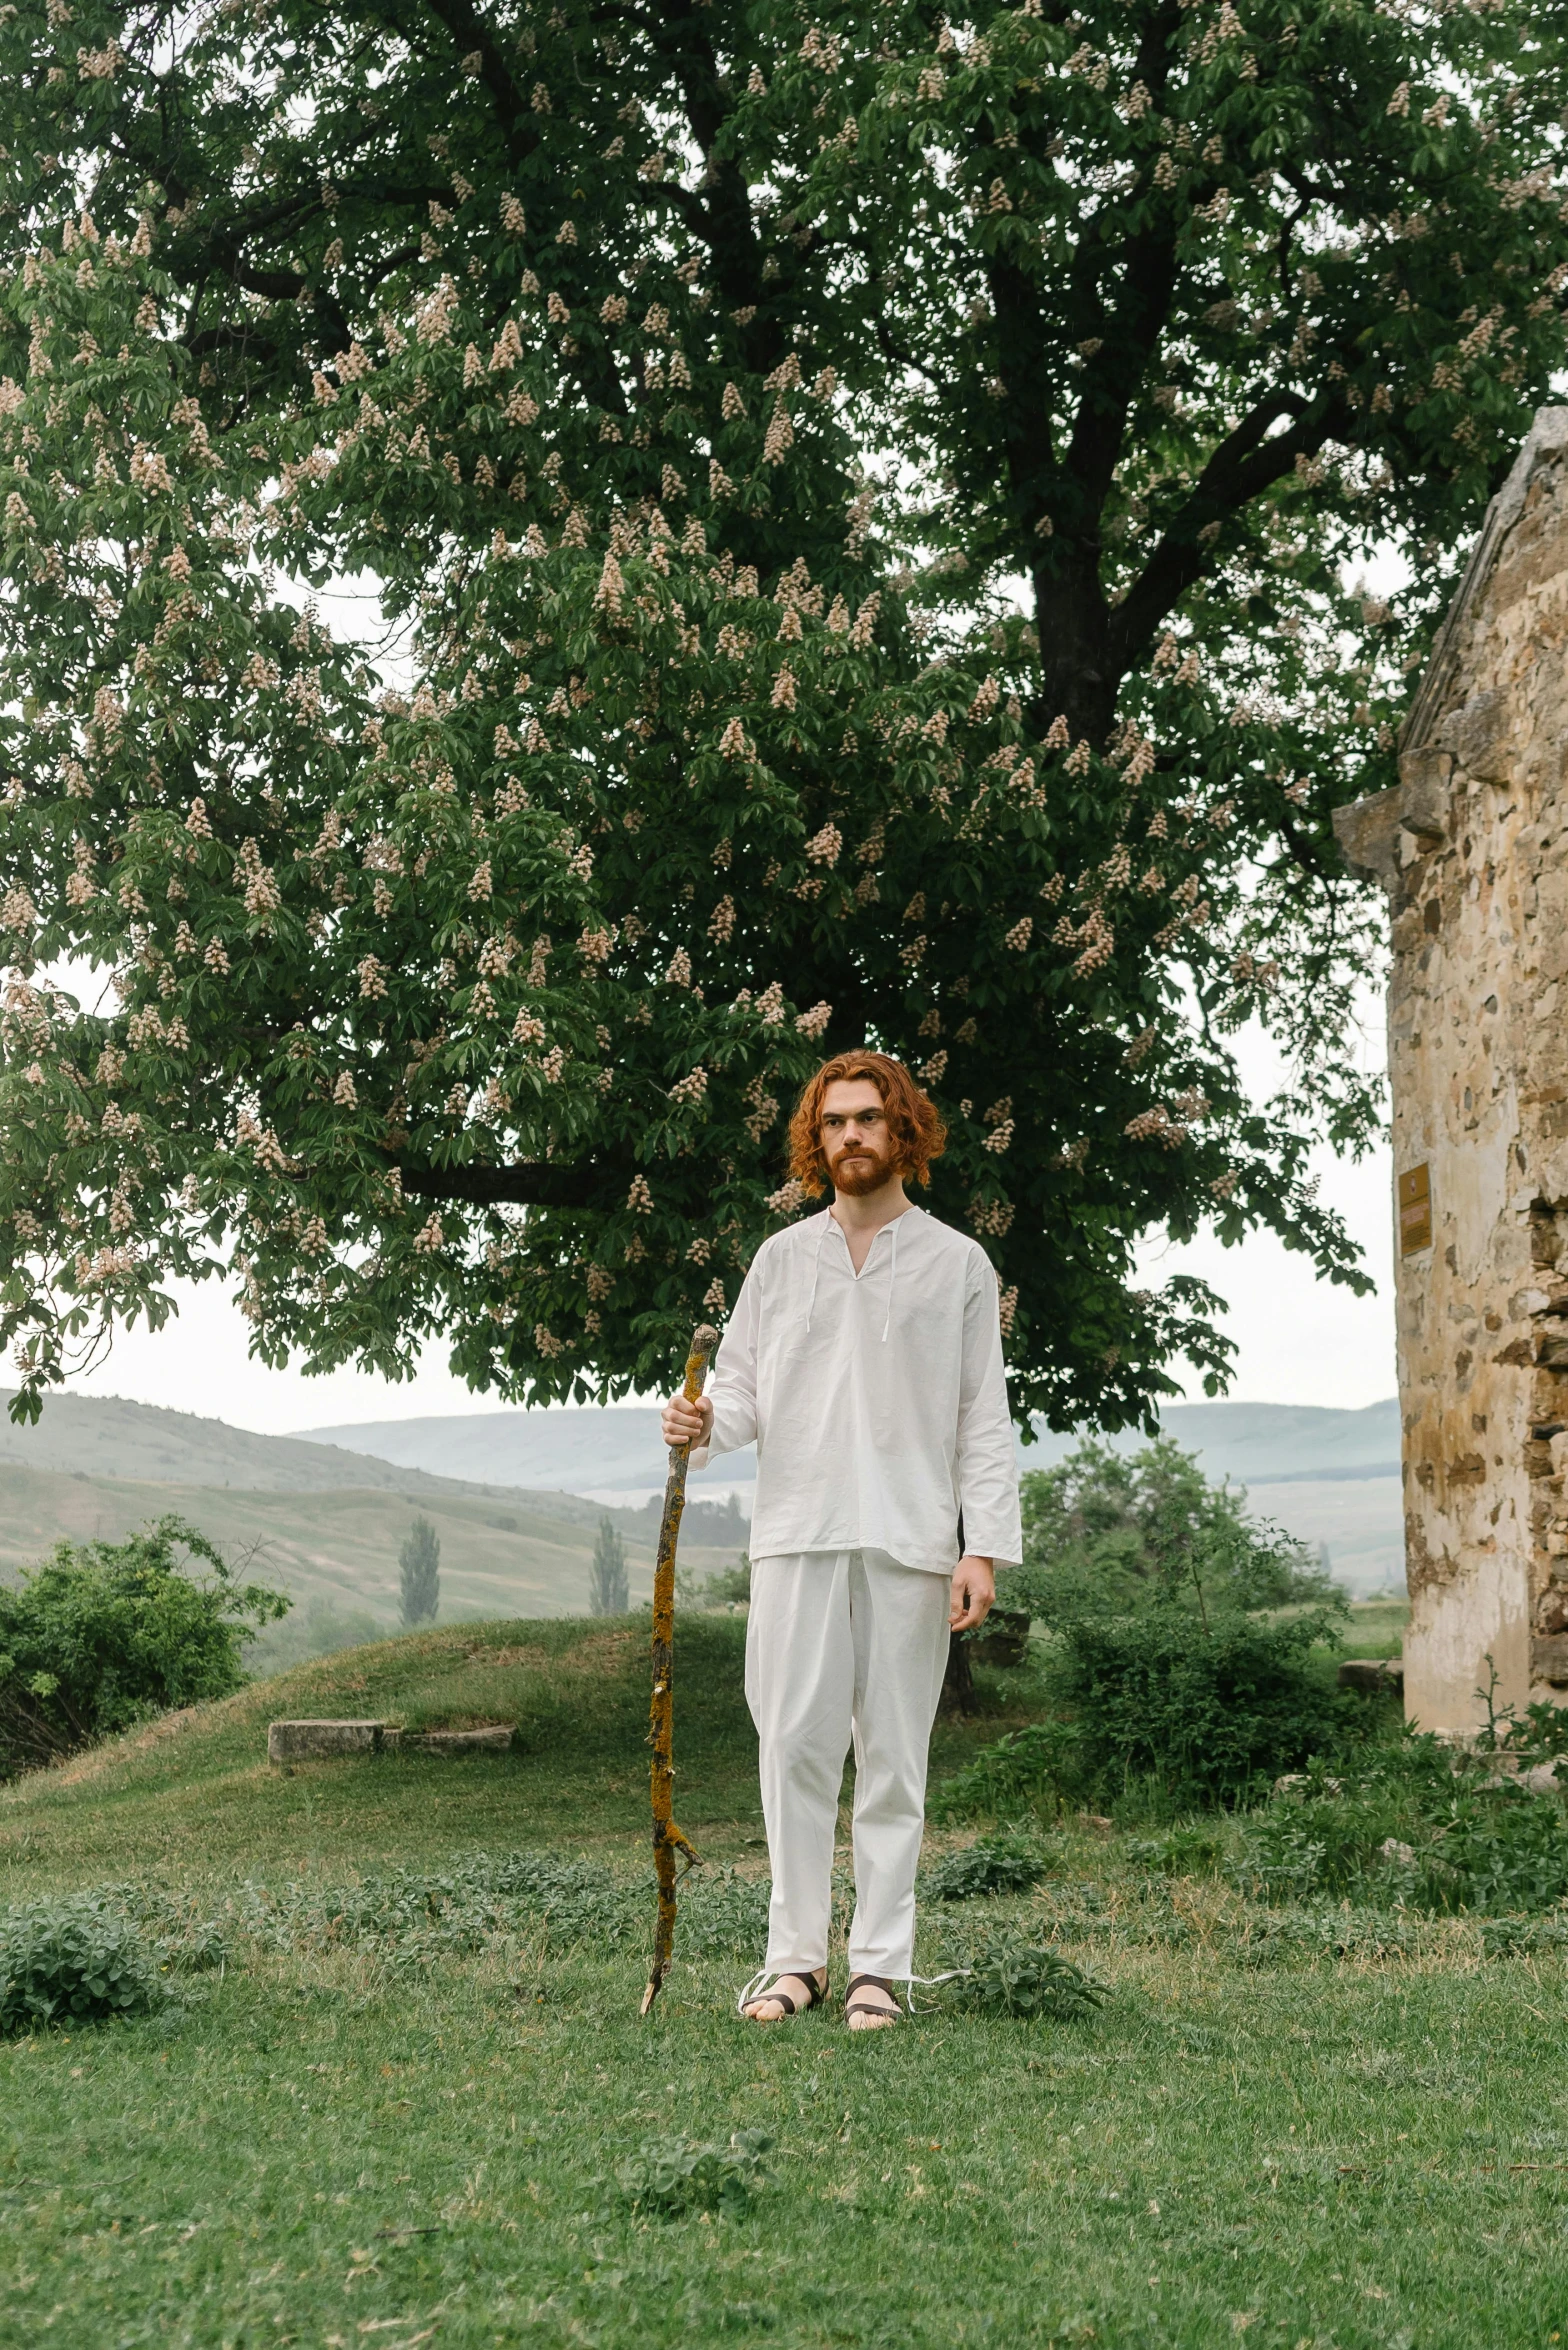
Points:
(858, 515)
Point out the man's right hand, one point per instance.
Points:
(687, 1423)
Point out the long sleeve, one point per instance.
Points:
(734, 1387)
(986, 1463)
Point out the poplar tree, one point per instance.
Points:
(851, 524)
(609, 1593)
(419, 1574)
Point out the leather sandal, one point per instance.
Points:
(854, 2006)
(818, 1992)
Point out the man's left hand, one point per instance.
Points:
(974, 1588)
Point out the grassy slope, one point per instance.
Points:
(500, 1554)
(1360, 2155)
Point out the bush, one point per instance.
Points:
(1418, 1827)
(1022, 1771)
(726, 1587)
(1174, 1670)
(71, 1962)
(104, 1634)
(671, 2176)
(1109, 1533)
(1202, 1713)
(1009, 1863)
(318, 1629)
(1009, 1976)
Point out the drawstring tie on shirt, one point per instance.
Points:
(816, 1266)
(816, 1271)
(892, 1275)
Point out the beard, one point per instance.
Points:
(859, 1171)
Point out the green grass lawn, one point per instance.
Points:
(1376, 1627)
(342, 2137)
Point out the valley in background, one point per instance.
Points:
(319, 1522)
(516, 1499)
(1329, 1477)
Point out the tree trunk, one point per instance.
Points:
(958, 1682)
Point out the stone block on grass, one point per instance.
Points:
(1373, 1675)
(491, 1738)
(289, 1742)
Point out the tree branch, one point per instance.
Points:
(468, 29)
(540, 1184)
(1240, 469)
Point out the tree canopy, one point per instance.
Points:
(856, 515)
(1112, 1534)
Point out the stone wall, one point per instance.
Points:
(1473, 850)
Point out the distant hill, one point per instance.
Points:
(323, 1524)
(1269, 1443)
(617, 1449)
(337, 1547)
(108, 1436)
(1330, 1477)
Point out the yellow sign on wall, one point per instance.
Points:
(1415, 1210)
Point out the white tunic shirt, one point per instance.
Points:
(878, 1402)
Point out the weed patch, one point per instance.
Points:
(1011, 1976)
(1185, 1851)
(670, 2177)
(1007, 1863)
(74, 1961)
(1416, 1827)
(414, 1917)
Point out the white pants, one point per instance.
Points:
(844, 1644)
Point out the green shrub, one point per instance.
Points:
(1199, 1713)
(1415, 1826)
(1184, 1851)
(1011, 1976)
(1024, 1770)
(104, 1634)
(1174, 1675)
(1008, 1863)
(671, 2176)
(318, 1629)
(1110, 1533)
(726, 1587)
(72, 1961)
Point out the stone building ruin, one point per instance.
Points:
(1472, 848)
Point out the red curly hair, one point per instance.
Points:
(914, 1122)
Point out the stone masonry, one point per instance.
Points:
(1472, 847)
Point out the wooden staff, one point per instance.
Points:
(667, 1837)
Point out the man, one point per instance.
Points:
(864, 1355)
